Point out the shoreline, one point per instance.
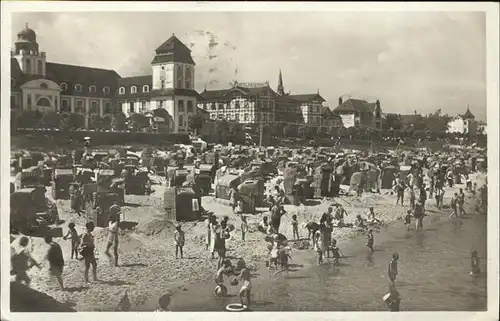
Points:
(150, 269)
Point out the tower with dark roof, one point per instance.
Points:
(280, 90)
(173, 66)
(468, 114)
(31, 61)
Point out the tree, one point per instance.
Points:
(118, 122)
(392, 122)
(76, 121)
(106, 122)
(138, 121)
(64, 121)
(50, 120)
(95, 121)
(195, 122)
(27, 119)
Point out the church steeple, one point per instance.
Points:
(280, 89)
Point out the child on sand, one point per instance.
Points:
(179, 239)
(295, 227)
(393, 268)
(318, 246)
(474, 260)
(75, 239)
(244, 227)
(369, 239)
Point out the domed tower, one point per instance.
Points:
(31, 61)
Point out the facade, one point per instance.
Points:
(360, 113)
(463, 124)
(243, 103)
(40, 85)
(256, 103)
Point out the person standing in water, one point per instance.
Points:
(453, 205)
(369, 239)
(244, 227)
(318, 246)
(393, 268)
(113, 240)
(461, 202)
(295, 227)
(246, 287)
(474, 261)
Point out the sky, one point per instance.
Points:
(410, 61)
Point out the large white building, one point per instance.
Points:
(463, 124)
(40, 85)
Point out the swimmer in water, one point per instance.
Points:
(393, 268)
(369, 239)
(475, 268)
(246, 287)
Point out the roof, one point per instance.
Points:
(210, 95)
(72, 75)
(356, 105)
(410, 119)
(468, 114)
(173, 50)
(176, 92)
(139, 82)
(85, 76)
(307, 97)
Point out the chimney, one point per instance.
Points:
(340, 101)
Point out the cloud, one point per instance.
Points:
(408, 60)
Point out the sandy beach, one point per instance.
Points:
(148, 267)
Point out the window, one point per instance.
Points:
(133, 90)
(29, 101)
(94, 108)
(64, 86)
(189, 106)
(121, 91)
(180, 105)
(237, 118)
(237, 104)
(78, 88)
(79, 106)
(92, 89)
(65, 108)
(162, 85)
(56, 104)
(221, 117)
(144, 105)
(145, 88)
(40, 70)
(120, 107)
(106, 90)
(162, 67)
(188, 77)
(28, 66)
(222, 106)
(245, 117)
(179, 76)
(181, 121)
(131, 107)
